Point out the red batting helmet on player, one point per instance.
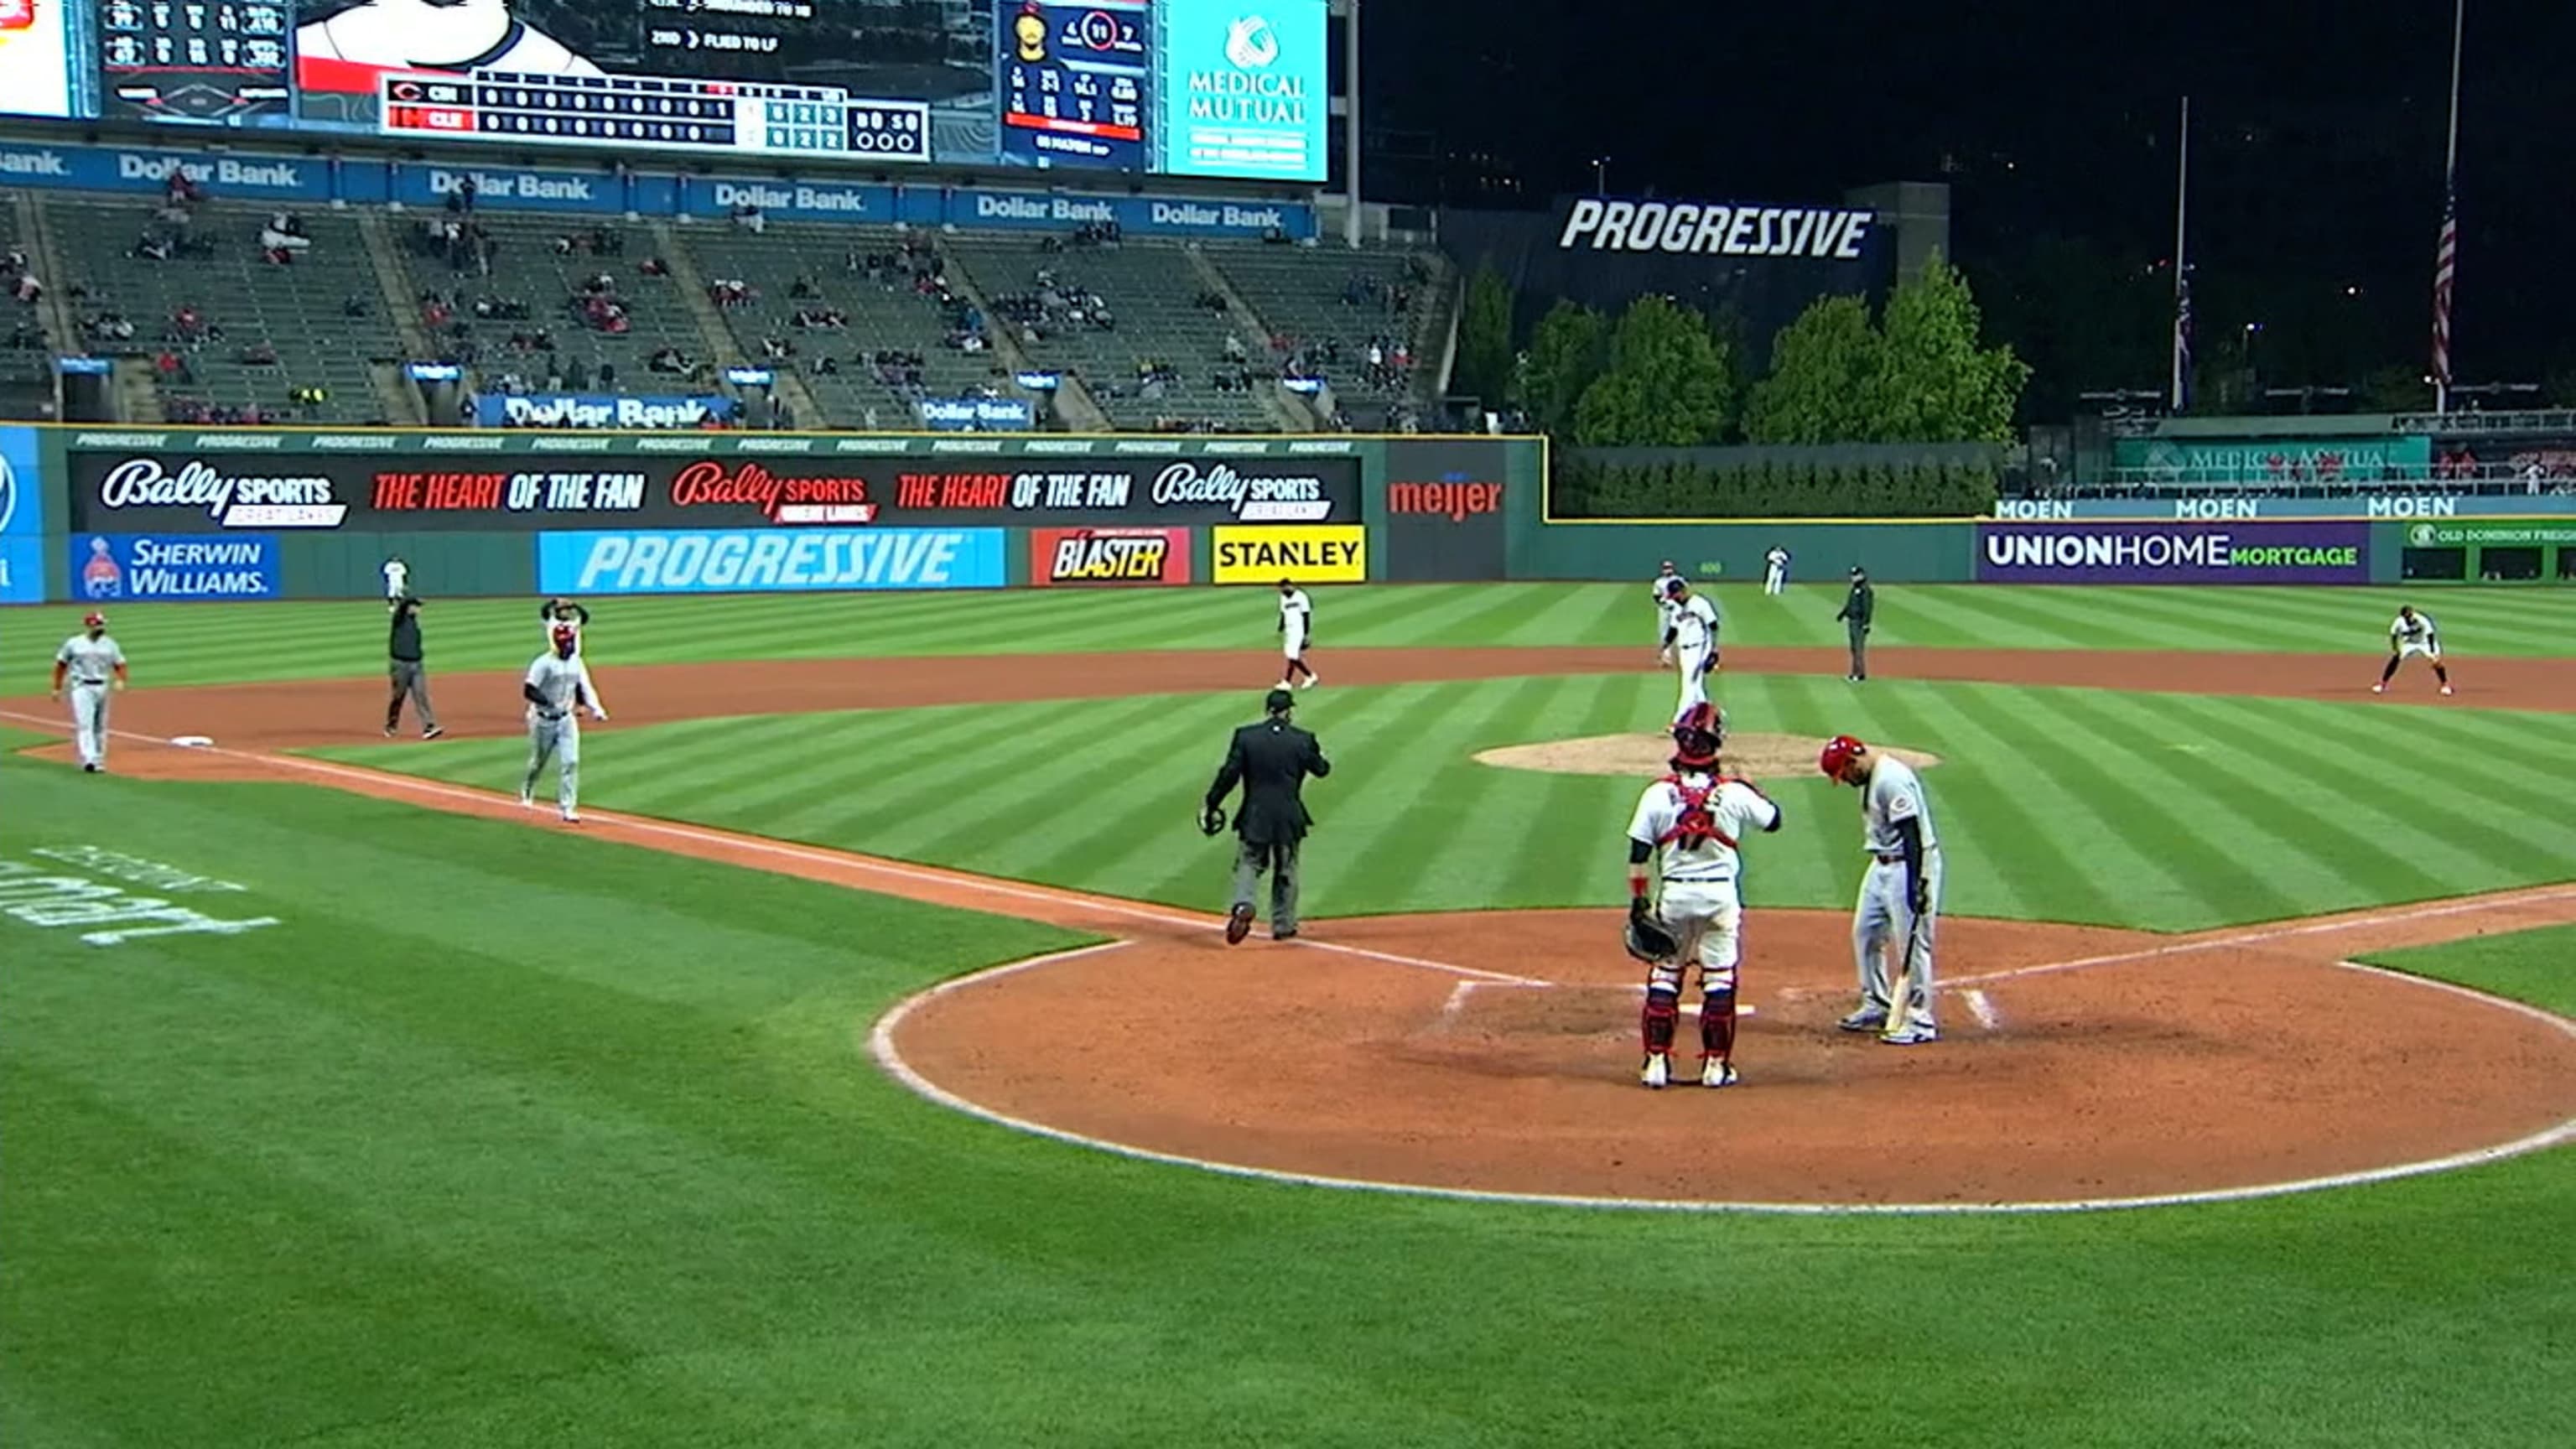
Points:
(94, 621)
(1840, 751)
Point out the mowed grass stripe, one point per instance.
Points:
(2008, 616)
(2443, 775)
(2329, 752)
(1480, 803)
(1557, 807)
(2309, 851)
(2170, 871)
(1389, 804)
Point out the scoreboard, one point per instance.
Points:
(656, 111)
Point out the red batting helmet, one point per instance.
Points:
(1698, 735)
(94, 621)
(1840, 751)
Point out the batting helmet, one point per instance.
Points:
(1698, 735)
(1840, 751)
(94, 621)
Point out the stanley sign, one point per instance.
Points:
(1332, 554)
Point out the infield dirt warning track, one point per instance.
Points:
(1492, 1053)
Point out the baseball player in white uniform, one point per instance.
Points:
(566, 614)
(1775, 570)
(1693, 822)
(2412, 634)
(93, 665)
(1690, 645)
(397, 579)
(1900, 895)
(1663, 587)
(1296, 628)
(557, 686)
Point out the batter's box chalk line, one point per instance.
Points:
(1464, 991)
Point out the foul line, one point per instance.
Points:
(2239, 940)
(847, 860)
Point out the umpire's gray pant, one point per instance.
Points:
(1280, 859)
(1859, 650)
(410, 681)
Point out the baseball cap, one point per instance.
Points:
(1279, 701)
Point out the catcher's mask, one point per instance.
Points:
(1697, 737)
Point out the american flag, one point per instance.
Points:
(2182, 340)
(2446, 263)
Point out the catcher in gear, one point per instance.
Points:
(1690, 824)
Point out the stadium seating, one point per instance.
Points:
(26, 380)
(885, 309)
(246, 335)
(1332, 306)
(1196, 339)
(1152, 368)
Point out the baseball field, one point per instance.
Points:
(868, 1067)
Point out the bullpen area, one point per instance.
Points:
(868, 1065)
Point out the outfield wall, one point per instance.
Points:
(248, 514)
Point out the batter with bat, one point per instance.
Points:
(1900, 895)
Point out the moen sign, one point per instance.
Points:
(1333, 555)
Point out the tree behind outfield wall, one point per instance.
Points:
(1566, 353)
(1667, 384)
(1485, 338)
(1915, 376)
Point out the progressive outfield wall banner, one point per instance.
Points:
(757, 561)
(2173, 553)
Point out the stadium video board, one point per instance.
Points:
(1212, 88)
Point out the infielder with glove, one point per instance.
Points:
(1296, 631)
(1900, 895)
(1691, 822)
(1272, 760)
(2409, 635)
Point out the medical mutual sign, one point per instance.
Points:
(2323, 552)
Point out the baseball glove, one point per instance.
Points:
(1211, 819)
(1647, 939)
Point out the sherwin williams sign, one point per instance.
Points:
(2173, 553)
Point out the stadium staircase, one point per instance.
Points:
(1317, 296)
(26, 373)
(1292, 412)
(1075, 407)
(787, 386)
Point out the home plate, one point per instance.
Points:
(193, 742)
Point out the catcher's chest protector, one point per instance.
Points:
(1697, 824)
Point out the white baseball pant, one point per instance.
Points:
(89, 722)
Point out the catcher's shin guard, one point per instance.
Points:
(1662, 1015)
(1717, 1025)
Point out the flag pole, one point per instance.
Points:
(2450, 217)
(2182, 287)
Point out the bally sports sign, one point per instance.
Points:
(1713, 229)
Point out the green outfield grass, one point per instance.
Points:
(508, 1138)
(210, 643)
(2053, 804)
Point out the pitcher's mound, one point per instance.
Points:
(1756, 755)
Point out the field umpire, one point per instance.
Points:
(406, 671)
(1272, 760)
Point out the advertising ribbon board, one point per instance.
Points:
(118, 566)
(2173, 553)
(1108, 556)
(22, 519)
(1444, 506)
(1335, 555)
(179, 491)
(757, 561)
(2528, 533)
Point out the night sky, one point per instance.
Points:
(2316, 150)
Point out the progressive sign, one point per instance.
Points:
(2173, 553)
(170, 491)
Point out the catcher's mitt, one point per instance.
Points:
(1647, 939)
(1211, 819)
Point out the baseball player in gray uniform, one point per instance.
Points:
(556, 687)
(1900, 896)
(93, 664)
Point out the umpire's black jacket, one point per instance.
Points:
(1272, 759)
